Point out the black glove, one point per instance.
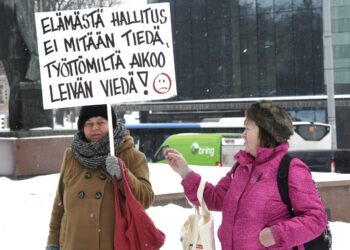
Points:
(52, 247)
(113, 168)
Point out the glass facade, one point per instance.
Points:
(245, 48)
(248, 48)
(341, 44)
(309, 115)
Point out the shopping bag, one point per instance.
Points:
(134, 229)
(198, 230)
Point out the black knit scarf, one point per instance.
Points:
(93, 154)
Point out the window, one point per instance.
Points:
(311, 132)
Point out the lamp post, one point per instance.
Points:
(328, 68)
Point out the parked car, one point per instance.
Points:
(317, 160)
(342, 161)
(325, 160)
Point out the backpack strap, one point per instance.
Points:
(282, 181)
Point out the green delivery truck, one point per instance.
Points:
(204, 149)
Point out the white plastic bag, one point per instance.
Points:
(198, 230)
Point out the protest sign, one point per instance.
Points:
(106, 55)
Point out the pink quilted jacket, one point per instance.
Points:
(249, 200)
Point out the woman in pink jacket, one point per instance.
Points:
(253, 215)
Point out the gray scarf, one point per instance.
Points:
(93, 154)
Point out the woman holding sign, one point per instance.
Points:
(83, 213)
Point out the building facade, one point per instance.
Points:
(4, 91)
(341, 45)
(231, 49)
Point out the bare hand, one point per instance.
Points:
(177, 162)
(266, 237)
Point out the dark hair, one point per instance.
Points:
(266, 140)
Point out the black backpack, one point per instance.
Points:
(322, 242)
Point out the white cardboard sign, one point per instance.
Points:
(106, 55)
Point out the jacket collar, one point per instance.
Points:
(266, 154)
(262, 154)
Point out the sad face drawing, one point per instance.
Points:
(162, 83)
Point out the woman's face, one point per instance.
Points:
(251, 137)
(95, 128)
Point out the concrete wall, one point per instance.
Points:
(7, 155)
(336, 197)
(28, 156)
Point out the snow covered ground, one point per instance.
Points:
(25, 208)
